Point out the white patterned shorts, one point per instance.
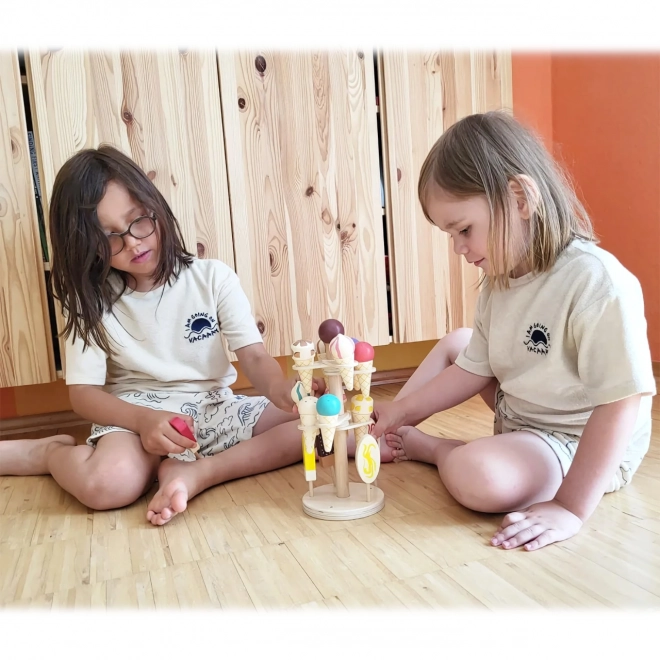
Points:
(564, 445)
(222, 418)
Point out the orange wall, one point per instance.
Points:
(606, 127)
(532, 92)
(602, 116)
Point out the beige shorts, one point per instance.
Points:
(564, 445)
(222, 418)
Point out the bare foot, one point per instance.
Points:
(177, 484)
(411, 444)
(23, 458)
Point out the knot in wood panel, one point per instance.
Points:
(260, 64)
(242, 103)
(274, 260)
(326, 218)
(15, 150)
(201, 250)
(309, 192)
(151, 174)
(127, 116)
(261, 327)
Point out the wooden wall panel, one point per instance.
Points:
(434, 291)
(161, 108)
(25, 344)
(302, 153)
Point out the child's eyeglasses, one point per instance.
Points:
(141, 227)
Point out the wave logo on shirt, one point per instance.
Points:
(538, 339)
(201, 326)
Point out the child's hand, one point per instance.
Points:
(537, 526)
(158, 437)
(318, 387)
(389, 418)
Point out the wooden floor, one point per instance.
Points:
(247, 544)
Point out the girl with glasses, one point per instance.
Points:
(144, 326)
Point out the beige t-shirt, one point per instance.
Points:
(169, 339)
(563, 342)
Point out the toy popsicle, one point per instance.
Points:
(307, 409)
(367, 459)
(179, 425)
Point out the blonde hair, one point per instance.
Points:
(480, 155)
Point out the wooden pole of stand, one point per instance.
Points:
(341, 451)
(329, 461)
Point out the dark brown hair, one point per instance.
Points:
(81, 276)
(480, 155)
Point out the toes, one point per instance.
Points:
(179, 502)
(393, 440)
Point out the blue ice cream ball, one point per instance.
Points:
(328, 404)
(355, 341)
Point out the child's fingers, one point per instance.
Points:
(548, 537)
(506, 531)
(511, 518)
(527, 535)
(179, 441)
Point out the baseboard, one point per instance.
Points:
(31, 423)
(68, 419)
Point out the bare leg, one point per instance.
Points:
(497, 474)
(443, 354)
(276, 443)
(24, 458)
(113, 475)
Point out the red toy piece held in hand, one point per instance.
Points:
(179, 425)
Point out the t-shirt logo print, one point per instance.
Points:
(201, 326)
(538, 339)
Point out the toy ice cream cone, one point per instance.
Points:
(361, 409)
(328, 432)
(342, 349)
(327, 412)
(320, 449)
(364, 355)
(303, 356)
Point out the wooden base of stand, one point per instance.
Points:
(325, 504)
